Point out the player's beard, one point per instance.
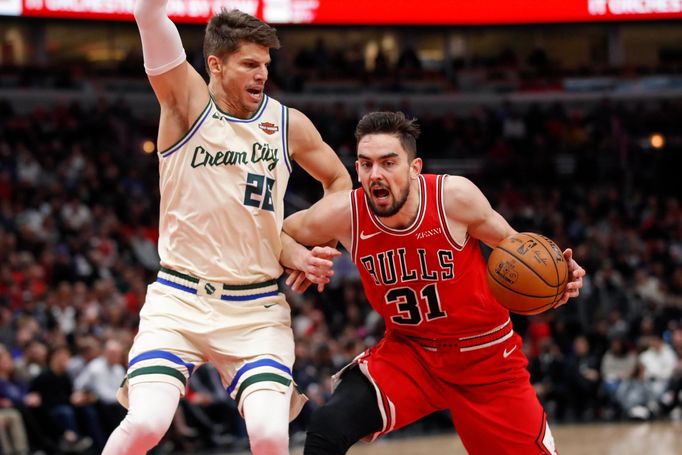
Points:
(392, 209)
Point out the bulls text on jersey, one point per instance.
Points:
(400, 265)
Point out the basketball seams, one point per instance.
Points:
(556, 269)
(529, 267)
(517, 292)
(534, 278)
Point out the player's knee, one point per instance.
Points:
(145, 430)
(267, 439)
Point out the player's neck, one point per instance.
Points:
(227, 104)
(408, 213)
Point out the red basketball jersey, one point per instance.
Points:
(419, 279)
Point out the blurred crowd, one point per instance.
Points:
(78, 231)
(320, 67)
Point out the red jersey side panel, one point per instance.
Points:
(419, 279)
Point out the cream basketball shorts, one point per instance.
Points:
(244, 331)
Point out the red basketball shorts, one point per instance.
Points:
(482, 380)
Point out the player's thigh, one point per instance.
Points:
(257, 352)
(406, 389)
(503, 418)
(162, 350)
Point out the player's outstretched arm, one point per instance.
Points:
(180, 90)
(315, 156)
(325, 222)
(469, 211)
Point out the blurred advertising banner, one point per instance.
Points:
(375, 12)
(10, 7)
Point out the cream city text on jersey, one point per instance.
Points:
(259, 152)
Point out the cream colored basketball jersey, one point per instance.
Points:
(222, 196)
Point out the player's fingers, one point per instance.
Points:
(317, 275)
(299, 282)
(304, 287)
(578, 271)
(325, 251)
(321, 263)
(292, 276)
(320, 271)
(331, 252)
(318, 279)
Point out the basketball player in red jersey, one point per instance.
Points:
(448, 343)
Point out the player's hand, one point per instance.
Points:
(575, 278)
(297, 281)
(315, 267)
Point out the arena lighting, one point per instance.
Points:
(148, 146)
(657, 141)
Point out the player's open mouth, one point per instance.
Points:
(255, 94)
(380, 194)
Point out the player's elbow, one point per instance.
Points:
(148, 11)
(339, 182)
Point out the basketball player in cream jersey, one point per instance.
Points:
(226, 152)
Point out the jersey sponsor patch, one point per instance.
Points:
(268, 127)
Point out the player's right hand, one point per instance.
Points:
(315, 267)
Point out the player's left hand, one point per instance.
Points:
(575, 278)
(314, 268)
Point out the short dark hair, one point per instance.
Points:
(393, 123)
(227, 30)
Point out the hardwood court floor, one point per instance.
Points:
(659, 438)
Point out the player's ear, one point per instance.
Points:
(214, 64)
(415, 168)
(357, 169)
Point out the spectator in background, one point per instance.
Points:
(33, 361)
(617, 365)
(14, 395)
(672, 398)
(13, 439)
(635, 397)
(546, 365)
(95, 388)
(658, 363)
(87, 349)
(58, 402)
(582, 373)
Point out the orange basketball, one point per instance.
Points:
(527, 273)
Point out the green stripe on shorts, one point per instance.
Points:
(159, 369)
(189, 278)
(246, 287)
(261, 377)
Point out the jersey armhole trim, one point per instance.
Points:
(440, 185)
(354, 225)
(188, 135)
(285, 136)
